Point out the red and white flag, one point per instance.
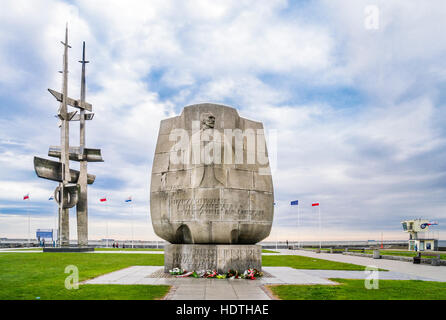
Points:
(315, 204)
(104, 199)
(26, 196)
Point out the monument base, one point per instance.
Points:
(220, 257)
(68, 249)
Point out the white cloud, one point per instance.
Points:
(357, 159)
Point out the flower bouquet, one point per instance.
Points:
(210, 274)
(232, 274)
(252, 274)
(177, 271)
(187, 274)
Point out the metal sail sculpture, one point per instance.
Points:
(72, 189)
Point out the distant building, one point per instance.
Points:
(413, 227)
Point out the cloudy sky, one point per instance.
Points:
(359, 104)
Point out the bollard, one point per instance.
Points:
(435, 261)
(376, 254)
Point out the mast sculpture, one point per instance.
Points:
(72, 189)
(82, 206)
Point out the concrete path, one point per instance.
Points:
(162, 252)
(236, 289)
(186, 288)
(404, 270)
(436, 273)
(215, 289)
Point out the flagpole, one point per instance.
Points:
(149, 222)
(26, 197)
(296, 203)
(29, 231)
(298, 228)
(59, 221)
(29, 227)
(276, 234)
(131, 207)
(53, 240)
(55, 228)
(382, 241)
(106, 225)
(320, 230)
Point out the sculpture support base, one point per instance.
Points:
(221, 257)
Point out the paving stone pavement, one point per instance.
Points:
(216, 289)
(235, 289)
(434, 273)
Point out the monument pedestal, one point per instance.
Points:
(221, 257)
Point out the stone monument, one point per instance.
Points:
(211, 192)
(72, 189)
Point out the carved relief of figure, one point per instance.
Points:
(205, 173)
(207, 121)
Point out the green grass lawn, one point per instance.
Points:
(28, 276)
(301, 262)
(22, 249)
(127, 249)
(355, 290)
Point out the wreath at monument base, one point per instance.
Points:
(251, 274)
